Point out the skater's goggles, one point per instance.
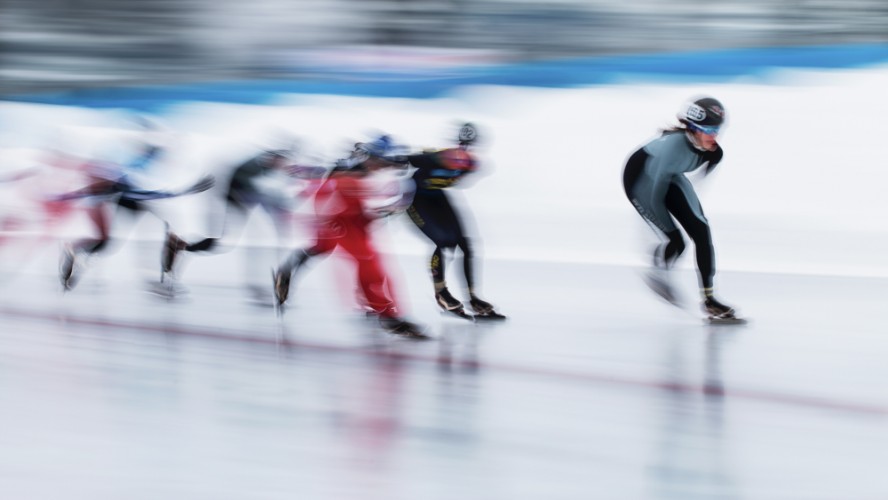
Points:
(706, 129)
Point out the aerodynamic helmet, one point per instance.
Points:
(706, 114)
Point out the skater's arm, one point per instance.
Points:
(713, 158)
(201, 185)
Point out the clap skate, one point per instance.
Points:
(70, 268)
(171, 247)
(448, 303)
(281, 283)
(720, 314)
(484, 310)
(402, 327)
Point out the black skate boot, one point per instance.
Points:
(171, 247)
(281, 279)
(718, 313)
(67, 267)
(400, 326)
(448, 303)
(484, 309)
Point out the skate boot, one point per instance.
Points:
(400, 326)
(281, 286)
(448, 303)
(718, 313)
(171, 247)
(68, 268)
(484, 309)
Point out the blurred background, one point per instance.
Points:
(63, 44)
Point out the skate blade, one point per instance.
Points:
(491, 316)
(166, 292)
(279, 310)
(460, 313)
(410, 335)
(725, 321)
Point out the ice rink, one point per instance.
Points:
(593, 388)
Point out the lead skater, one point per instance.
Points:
(655, 182)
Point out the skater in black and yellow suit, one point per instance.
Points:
(655, 183)
(435, 216)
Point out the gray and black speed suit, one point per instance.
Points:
(655, 183)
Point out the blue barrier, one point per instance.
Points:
(718, 65)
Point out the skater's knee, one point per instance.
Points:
(675, 247)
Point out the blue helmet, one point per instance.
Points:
(383, 147)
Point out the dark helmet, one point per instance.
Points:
(706, 112)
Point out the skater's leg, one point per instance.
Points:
(434, 216)
(437, 267)
(668, 252)
(326, 241)
(372, 278)
(285, 272)
(480, 306)
(443, 297)
(231, 221)
(104, 224)
(101, 221)
(685, 207)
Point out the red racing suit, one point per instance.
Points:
(340, 205)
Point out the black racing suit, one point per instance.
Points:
(434, 214)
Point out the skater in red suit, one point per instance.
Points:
(344, 221)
